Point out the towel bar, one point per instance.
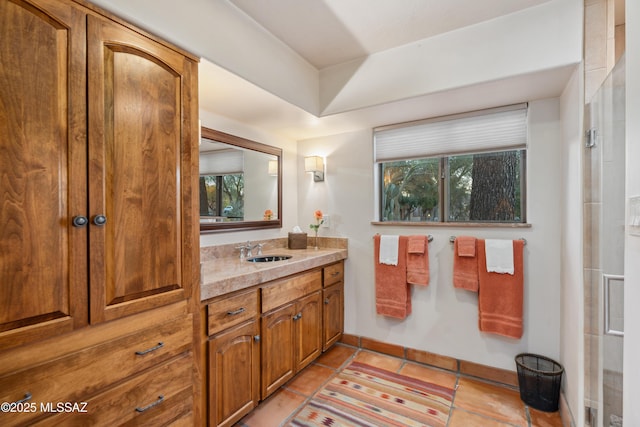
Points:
(430, 238)
(453, 239)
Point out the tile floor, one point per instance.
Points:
(476, 403)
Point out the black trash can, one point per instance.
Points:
(539, 379)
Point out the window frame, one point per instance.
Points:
(444, 192)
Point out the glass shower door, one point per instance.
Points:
(608, 123)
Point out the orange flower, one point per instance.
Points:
(268, 212)
(318, 216)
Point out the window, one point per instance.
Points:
(222, 184)
(463, 168)
(222, 196)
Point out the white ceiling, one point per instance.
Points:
(226, 94)
(237, 40)
(330, 32)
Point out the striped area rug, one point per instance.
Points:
(363, 395)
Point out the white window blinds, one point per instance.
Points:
(497, 129)
(221, 162)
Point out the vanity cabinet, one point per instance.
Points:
(333, 315)
(333, 304)
(98, 152)
(259, 338)
(291, 328)
(234, 357)
(291, 338)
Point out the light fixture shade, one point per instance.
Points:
(315, 164)
(273, 167)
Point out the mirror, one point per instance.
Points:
(240, 183)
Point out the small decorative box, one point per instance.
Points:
(297, 240)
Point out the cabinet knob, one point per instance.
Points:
(79, 221)
(326, 301)
(100, 220)
(256, 338)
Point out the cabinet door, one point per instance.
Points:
(43, 265)
(332, 315)
(234, 369)
(139, 142)
(278, 364)
(308, 329)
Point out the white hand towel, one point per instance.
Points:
(499, 256)
(388, 250)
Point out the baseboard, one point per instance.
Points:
(462, 367)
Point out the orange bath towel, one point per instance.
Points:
(393, 297)
(465, 263)
(501, 296)
(418, 260)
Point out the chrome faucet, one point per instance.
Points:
(245, 250)
(252, 247)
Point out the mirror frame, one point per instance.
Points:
(248, 144)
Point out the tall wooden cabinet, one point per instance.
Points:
(99, 237)
(43, 159)
(138, 89)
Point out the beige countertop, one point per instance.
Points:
(225, 274)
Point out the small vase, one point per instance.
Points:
(315, 241)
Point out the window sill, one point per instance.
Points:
(453, 224)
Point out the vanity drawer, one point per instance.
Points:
(333, 274)
(156, 397)
(233, 310)
(81, 374)
(283, 291)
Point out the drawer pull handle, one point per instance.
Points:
(234, 312)
(297, 316)
(149, 350)
(335, 273)
(27, 396)
(151, 405)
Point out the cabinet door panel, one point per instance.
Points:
(43, 264)
(235, 374)
(333, 315)
(278, 364)
(308, 329)
(135, 150)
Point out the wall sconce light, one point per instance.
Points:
(315, 165)
(273, 167)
